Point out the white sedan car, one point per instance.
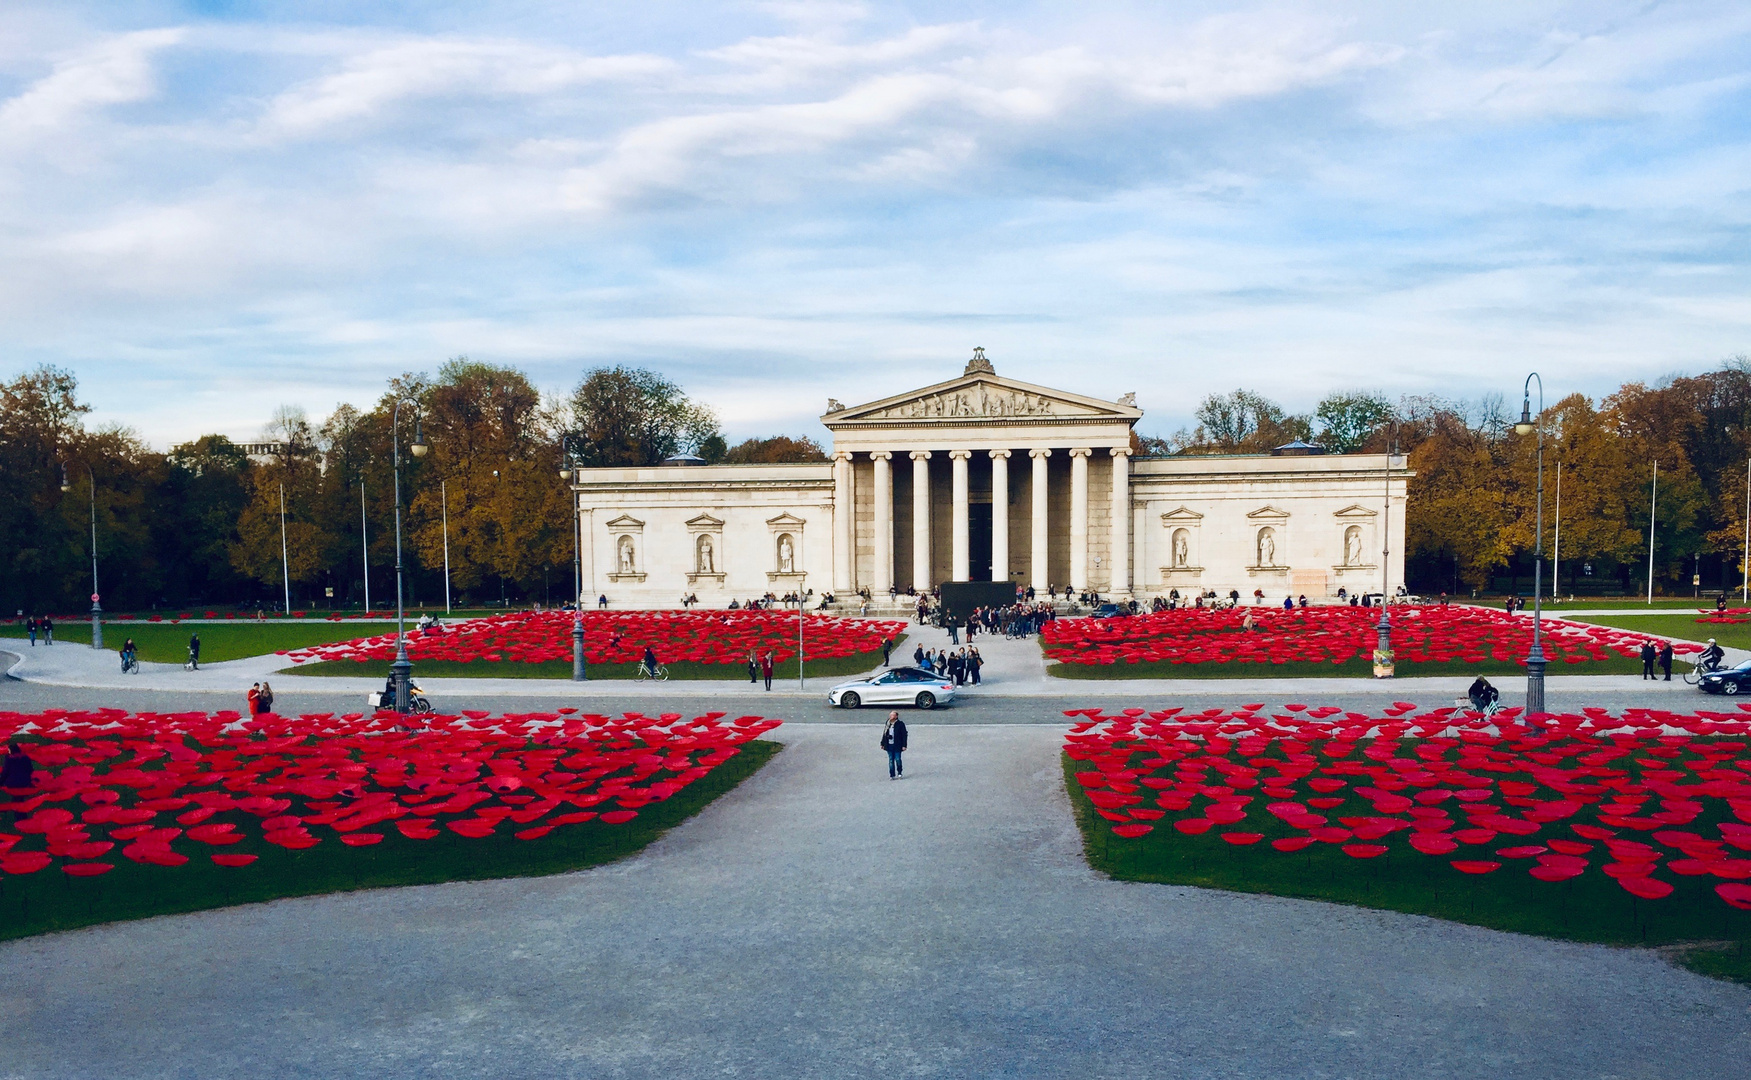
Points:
(896, 686)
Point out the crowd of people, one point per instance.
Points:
(962, 665)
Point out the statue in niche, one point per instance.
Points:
(707, 563)
(1267, 547)
(786, 555)
(1353, 546)
(628, 556)
(1182, 549)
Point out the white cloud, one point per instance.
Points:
(114, 70)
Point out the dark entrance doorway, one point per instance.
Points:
(979, 541)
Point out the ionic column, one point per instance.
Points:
(1079, 517)
(884, 522)
(843, 528)
(962, 549)
(921, 520)
(1039, 544)
(1120, 548)
(999, 515)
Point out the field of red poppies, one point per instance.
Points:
(1427, 634)
(620, 637)
(1606, 827)
(155, 798)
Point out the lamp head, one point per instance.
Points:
(565, 472)
(419, 446)
(1525, 426)
(65, 486)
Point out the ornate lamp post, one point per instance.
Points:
(1535, 659)
(402, 669)
(1384, 666)
(568, 455)
(97, 610)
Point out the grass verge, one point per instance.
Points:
(1685, 627)
(40, 903)
(168, 644)
(1705, 934)
(1355, 669)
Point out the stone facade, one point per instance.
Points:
(986, 478)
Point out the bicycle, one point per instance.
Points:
(659, 674)
(130, 665)
(1698, 669)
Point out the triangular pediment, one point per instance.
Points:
(705, 522)
(625, 523)
(1269, 513)
(1183, 514)
(982, 397)
(1355, 510)
(786, 520)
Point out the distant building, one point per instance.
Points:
(986, 478)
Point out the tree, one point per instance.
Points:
(1347, 420)
(777, 450)
(1243, 422)
(631, 416)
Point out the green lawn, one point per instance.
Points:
(1591, 907)
(836, 667)
(49, 900)
(1731, 635)
(1614, 603)
(168, 644)
(1306, 669)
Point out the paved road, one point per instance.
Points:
(821, 921)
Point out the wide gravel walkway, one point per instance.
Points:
(822, 921)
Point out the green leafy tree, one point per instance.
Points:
(1347, 420)
(631, 416)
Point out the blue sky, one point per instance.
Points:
(209, 210)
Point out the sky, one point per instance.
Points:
(209, 210)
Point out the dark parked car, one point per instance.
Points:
(1109, 611)
(1733, 680)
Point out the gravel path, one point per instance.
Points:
(822, 921)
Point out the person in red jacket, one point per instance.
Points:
(766, 667)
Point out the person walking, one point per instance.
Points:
(887, 649)
(194, 652)
(1649, 655)
(894, 742)
(954, 632)
(30, 628)
(48, 630)
(753, 667)
(1666, 659)
(766, 667)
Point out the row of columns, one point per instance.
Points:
(845, 530)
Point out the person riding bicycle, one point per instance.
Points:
(1483, 695)
(649, 663)
(128, 651)
(1711, 657)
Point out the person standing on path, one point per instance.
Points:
(254, 699)
(48, 631)
(918, 656)
(1648, 658)
(954, 632)
(887, 650)
(30, 628)
(265, 700)
(894, 742)
(1666, 659)
(974, 663)
(753, 667)
(194, 652)
(766, 667)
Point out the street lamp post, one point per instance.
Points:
(567, 469)
(402, 669)
(1383, 658)
(96, 608)
(1535, 661)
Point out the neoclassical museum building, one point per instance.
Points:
(983, 478)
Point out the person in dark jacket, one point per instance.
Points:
(887, 650)
(1649, 655)
(194, 651)
(753, 667)
(48, 626)
(894, 742)
(15, 774)
(1666, 659)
